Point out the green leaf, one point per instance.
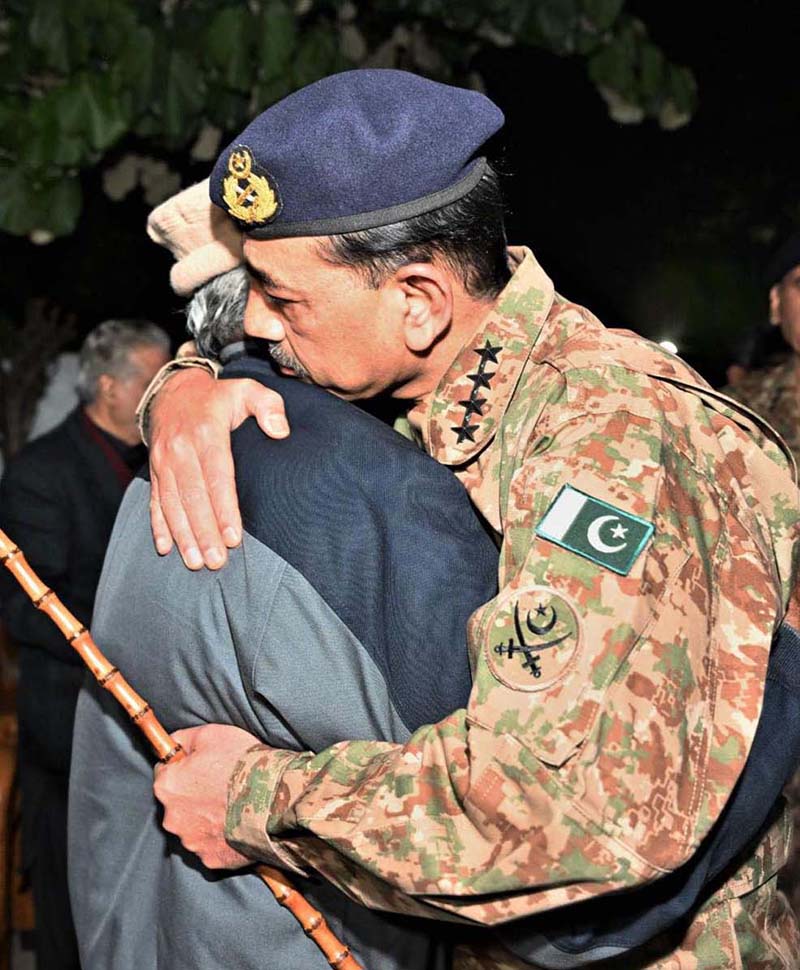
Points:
(148, 126)
(37, 138)
(30, 201)
(228, 110)
(12, 109)
(557, 20)
(71, 106)
(277, 40)
(268, 92)
(113, 23)
(682, 88)
(40, 135)
(104, 117)
(69, 152)
(614, 66)
(315, 57)
(15, 61)
(228, 46)
(16, 215)
(81, 33)
(133, 70)
(184, 97)
(9, 113)
(653, 75)
(464, 17)
(64, 206)
(48, 33)
(587, 43)
(602, 13)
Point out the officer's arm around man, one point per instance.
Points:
(649, 538)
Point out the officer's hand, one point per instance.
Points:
(194, 791)
(193, 498)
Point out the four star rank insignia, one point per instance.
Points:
(473, 405)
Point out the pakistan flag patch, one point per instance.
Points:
(595, 530)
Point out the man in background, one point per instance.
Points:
(773, 392)
(58, 500)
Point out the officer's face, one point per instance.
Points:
(785, 307)
(325, 324)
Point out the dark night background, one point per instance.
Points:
(663, 232)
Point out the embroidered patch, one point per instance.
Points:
(533, 639)
(595, 530)
(249, 196)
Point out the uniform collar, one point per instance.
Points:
(787, 373)
(461, 416)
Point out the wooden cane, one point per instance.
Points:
(312, 921)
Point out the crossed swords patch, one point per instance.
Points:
(533, 639)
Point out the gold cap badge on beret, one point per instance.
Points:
(248, 197)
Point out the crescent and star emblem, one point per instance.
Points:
(618, 532)
(541, 629)
(533, 639)
(530, 651)
(610, 537)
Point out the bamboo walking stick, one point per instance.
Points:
(313, 922)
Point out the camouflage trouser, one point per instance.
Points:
(789, 880)
(747, 925)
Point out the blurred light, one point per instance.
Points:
(41, 237)
(668, 345)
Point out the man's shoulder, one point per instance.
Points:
(313, 407)
(326, 433)
(44, 451)
(340, 471)
(761, 387)
(581, 343)
(597, 370)
(602, 374)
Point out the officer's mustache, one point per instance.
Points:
(282, 356)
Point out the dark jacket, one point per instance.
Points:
(343, 614)
(58, 500)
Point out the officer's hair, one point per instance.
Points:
(215, 314)
(468, 234)
(106, 350)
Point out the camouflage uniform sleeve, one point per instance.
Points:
(250, 791)
(619, 680)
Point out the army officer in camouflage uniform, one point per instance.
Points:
(773, 391)
(648, 530)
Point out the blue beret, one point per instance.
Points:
(353, 151)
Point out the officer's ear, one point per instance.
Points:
(427, 292)
(775, 305)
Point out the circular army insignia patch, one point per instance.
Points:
(533, 639)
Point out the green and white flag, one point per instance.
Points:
(594, 529)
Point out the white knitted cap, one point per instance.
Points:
(203, 240)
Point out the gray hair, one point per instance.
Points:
(106, 350)
(215, 314)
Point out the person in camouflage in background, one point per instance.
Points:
(648, 527)
(774, 393)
